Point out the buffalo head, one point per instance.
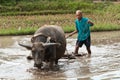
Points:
(38, 51)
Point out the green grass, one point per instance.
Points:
(105, 16)
(14, 25)
(36, 7)
(68, 29)
(105, 27)
(44, 12)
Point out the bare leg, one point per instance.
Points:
(89, 51)
(76, 49)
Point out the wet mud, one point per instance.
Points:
(104, 63)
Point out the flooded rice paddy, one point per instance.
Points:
(104, 63)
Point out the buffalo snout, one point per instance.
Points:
(43, 65)
(38, 65)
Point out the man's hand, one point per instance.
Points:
(91, 23)
(67, 36)
(71, 34)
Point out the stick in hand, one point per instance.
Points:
(71, 34)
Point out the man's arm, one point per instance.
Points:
(91, 23)
(71, 34)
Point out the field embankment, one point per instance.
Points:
(105, 15)
(33, 7)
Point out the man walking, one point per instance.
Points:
(83, 29)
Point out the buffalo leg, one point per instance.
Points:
(56, 61)
(53, 56)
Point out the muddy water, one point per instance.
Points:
(104, 63)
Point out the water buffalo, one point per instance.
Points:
(48, 45)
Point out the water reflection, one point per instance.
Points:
(103, 64)
(79, 70)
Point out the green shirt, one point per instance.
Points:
(83, 28)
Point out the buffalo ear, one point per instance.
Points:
(51, 44)
(28, 46)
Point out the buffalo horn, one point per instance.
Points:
(25, 45)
